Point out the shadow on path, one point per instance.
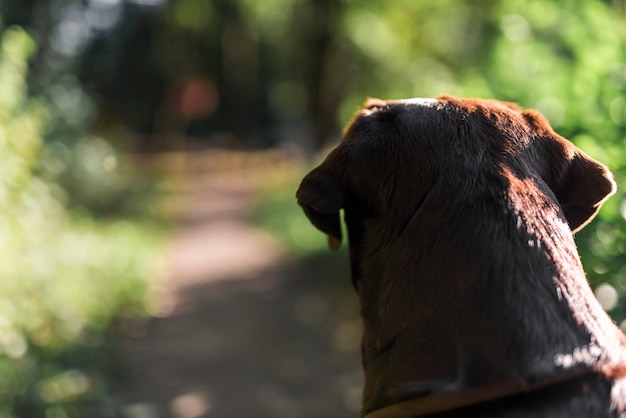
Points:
(244, 330)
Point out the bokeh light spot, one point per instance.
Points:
(607, 296)
(515, 27)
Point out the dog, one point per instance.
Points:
(460, 215)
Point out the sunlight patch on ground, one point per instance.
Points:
(190, 405)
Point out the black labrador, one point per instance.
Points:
(460, 215)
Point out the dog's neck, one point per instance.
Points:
(470, 292)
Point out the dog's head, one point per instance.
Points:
(394, 151)
(460, 215)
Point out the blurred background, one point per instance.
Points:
(153, 260)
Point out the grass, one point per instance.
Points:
(278, 213)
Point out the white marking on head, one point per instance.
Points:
(420, 101)
(375, 105)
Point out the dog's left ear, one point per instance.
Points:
(321, 197)
(584, 186)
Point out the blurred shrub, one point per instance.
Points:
(566, 59)
(65, 278)
(95, 177)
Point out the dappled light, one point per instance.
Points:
(154, 261)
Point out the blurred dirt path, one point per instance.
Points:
(243, 330)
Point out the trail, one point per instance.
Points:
(243, 330)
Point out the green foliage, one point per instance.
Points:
(65, 278)
(566, 59)
(278, 214)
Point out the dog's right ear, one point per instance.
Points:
(584, 187)
(321, 197)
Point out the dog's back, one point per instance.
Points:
(460, 216)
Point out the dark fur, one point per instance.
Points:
(460, 217)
